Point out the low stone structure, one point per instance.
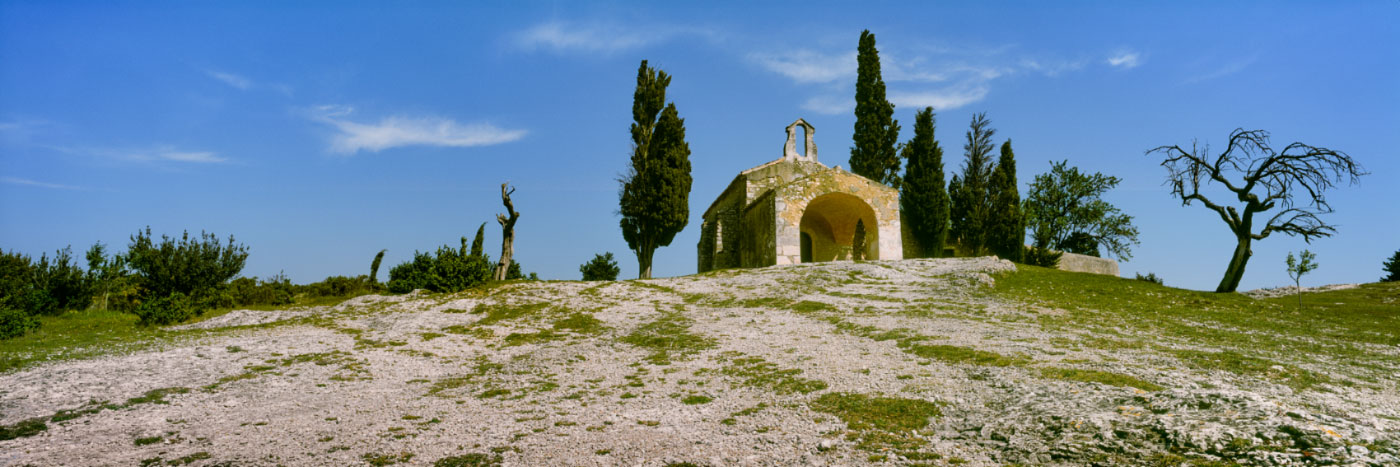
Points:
(1085, 263)
(797, 210)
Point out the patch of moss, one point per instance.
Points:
(668, 337)
(757, 372)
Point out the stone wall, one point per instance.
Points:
(1090, 264)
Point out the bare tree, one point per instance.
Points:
(1268, 179)
(507, 233)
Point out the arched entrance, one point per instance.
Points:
(829, 225)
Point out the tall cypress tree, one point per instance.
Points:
(1006, 227)
(876, 132)
(957, 211)
(922, 195)
(656, 189)
(479, 243)
(976, 175)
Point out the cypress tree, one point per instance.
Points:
(976, 175)
(1006, 227)
(478, 244)
(656, 189)
(957, 215)
(923, 197)
(374, 267)
(876, 131)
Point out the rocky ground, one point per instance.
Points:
(907, 362)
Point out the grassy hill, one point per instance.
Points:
(937, 362)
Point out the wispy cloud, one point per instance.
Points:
(806, 66)
(192, 157)
(1125, 60)
(829, 105)
(231, 79)
(942, 99)
(599, 37)
(1226, 69)
(397, 131)
(1049, 67)
(27, 182)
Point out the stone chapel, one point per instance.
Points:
(797, 210)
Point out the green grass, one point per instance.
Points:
(475, 459)
(879, 423)
(668, 337)
(1096, 376)
(149, 440)
(862, 412)
(582, 323)
(497, 312)
(696, 400)
(1336, 329)
(757, 372)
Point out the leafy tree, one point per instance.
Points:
(656, 188)
(1297, 268)
(1006, 227)
(374, 266)
(970, 203)
(15, 323)
(1392, 268)
(59, 285)
(923, 197)
(1064, 208)
(858, 242)
(479, 243)
(192, 267)
(600, 268)
(1267, 179)
(876, 130)
(106, 272)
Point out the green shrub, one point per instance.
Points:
(1043, 257)
(1392, 268)
(192, 267)
(246, 291)
(15, 323)
(601, 268)
(339, 286)
(1150, 277)
(170, 309)
(64, 281)
(449, 270)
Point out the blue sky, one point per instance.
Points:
(320, 133)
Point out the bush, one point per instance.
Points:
(170, 309)
(192, 267)
(43, 287)
(449, 270)
(600, 268)
(246, 291)
(1150, 277)
(1043, 257)
(340, 286)
(15, 323)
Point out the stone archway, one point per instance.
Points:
(830, 222)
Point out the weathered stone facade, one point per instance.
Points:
(794, 210)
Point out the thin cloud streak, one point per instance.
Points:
(1125, 60)
(243, 84)
(829, 105)
(943, 99)
(1226, 70)
(806, 66)
(27, 182)
(598, 37)
(398, 131)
